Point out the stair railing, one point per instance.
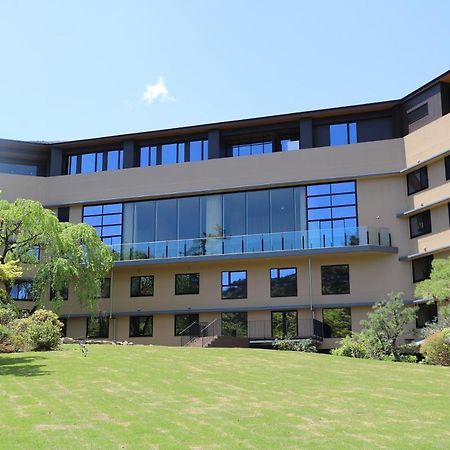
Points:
(183, 336)
(204, 332)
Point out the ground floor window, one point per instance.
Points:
(141, 326)
(234, 324)
(427, 312)
(284, 324)
(64, 327)
(186, 324)
(97, 327)
(337, 322)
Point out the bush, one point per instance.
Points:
(8, 313)
(354, 346)
(300, 345)
(436, 348)
(6, 345)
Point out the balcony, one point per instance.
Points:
(352, 239)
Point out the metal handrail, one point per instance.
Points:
(187, 328)
(207, 326)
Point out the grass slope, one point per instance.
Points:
(156, 397)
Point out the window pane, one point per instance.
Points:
(145, 157)
(283, 282)
(195, 151)
(282, 210)
(234, 214)
(337, 322)
(234, 285)
(335, 279)
(340, 188)
(343, 199)
(88, 163)
(169, 154)
(113, 160)
(317, 202)
(258, 212)
(234, 324)
(319, 214)
(352, 133)
(318, 189)
(19, 169)
(187, 283)
(141, 326)
(185, 324)
(113, 208)
(211, 210)
(180, 152)
(420, 224)
(422, 268)
(344, 211)
(166, 220)
(338, 134)
(417, 180)
(189, 218)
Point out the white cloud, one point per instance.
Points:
(157, 92)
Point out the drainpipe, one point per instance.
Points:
(310, 287)
(111, 304)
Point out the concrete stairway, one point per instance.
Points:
(219, 341)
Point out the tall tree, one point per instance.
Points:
(61, 254)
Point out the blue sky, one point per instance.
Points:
(78, 69)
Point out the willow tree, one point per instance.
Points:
(58, 254)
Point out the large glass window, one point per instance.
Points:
(18, 169)
(95, 162)
(148, 156)
(107, 221)
(166, 219)
(141, 326)
(335, 279)
(417, 180)
(337, 322)
(258, 205)
(420, 224)
(343, 133)
(234, 324)
(426, 313)
(234, 284)
(97, 327)
(251, 148)
(187, 283)
(186, 324)
(198, 150)
(283, 282)
(189, 218)
(142, 286)
(284, 324)
(421, 268)
(22, 290)
(234, 222)
(283, 210)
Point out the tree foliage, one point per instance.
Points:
(437, 287)
(61, 253)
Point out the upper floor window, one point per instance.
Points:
(251, 148)
(417, 113)
(421, 268)
(107, 221)
(22, 290)
(288, 145)
(105, 288)
(420, 224)
(283, 282)
(142, 286)
(234, 284)
(173, 153)
(18, 169)
(335, 279)
(447, 167)
(417, 180)
(95, 162)
(187, 283)
(343, 133)
(198, 150)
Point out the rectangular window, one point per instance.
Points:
(420, 224)
(148, 156)
(288, 145)
(63, 320)
(284, 324)
(234, 284)
(64, 294)
(187, 283)
(337, 322)
(417, 113)
(335, 279)
(186, 324)
(22, 290)
(251, 148)
(141, 326)
(417, 180)
(421, 268)
(198, 150)
(97, 327)
(107, 221)
(63, 214)
(234, 324)
(427, 312)
(343, 133)
(18, 169)
(447, 167)
(283, 282)
(142, 286)
(105, 288)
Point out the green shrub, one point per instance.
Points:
(298, 345)
(436, 348)
(43, 330)
(354, 346)
(8, 313)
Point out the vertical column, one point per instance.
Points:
(130, 157)
(214, 148)
(56, 162)
(306, 133)
(276, 143)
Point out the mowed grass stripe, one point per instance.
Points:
(158, 397)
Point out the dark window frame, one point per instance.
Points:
(348, 133)
(140, 294)
(423, 180)
(193, 292)
(447, 167)
(133, 327)
(275, 280)
(102, 327)
(230, 284)
(325, 267)
(427, 261)
(194, 318)
(426, 312)
(426, 220)
(284, 322)
(237, 325)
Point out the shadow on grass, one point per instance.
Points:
(21, 366)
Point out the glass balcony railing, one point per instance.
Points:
(254, 243)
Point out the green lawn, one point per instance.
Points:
(156, 397)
